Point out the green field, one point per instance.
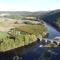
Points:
(3, 35)
(33, 29)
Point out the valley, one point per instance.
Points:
(29, 35)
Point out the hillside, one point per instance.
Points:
(52, 18)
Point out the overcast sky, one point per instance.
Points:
(29, 5)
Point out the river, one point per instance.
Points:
(52, 32)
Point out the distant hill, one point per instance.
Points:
(21, 14)
(24, 13)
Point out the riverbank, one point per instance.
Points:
(21, 51)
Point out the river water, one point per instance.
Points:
(52, 32)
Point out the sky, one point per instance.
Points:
(29, 5)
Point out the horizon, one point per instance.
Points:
(29, 5)
(31, 11)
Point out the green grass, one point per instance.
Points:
(33, 29)
(29, 18)
(3, 35)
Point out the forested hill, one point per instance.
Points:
(53, 18)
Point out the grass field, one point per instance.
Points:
(33, 29)
(3, 35)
